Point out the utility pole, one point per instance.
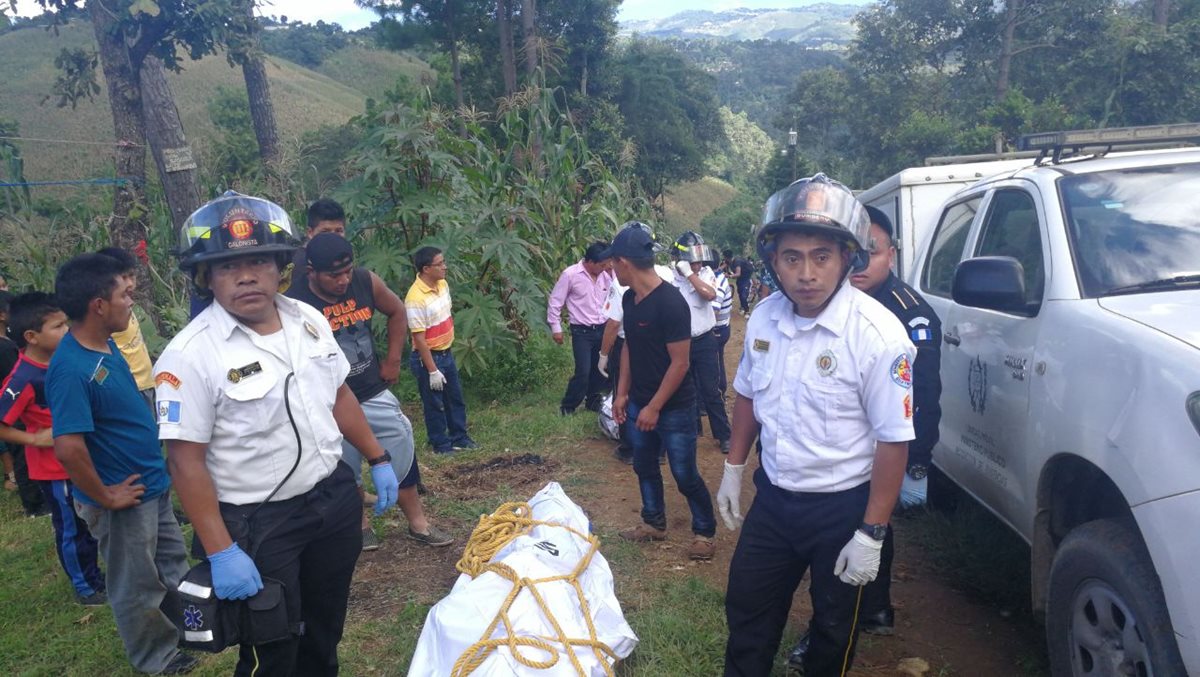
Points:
(792, 149)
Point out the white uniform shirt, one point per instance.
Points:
(613, 309)
(826, 389)
(222, 384)
(703, 316)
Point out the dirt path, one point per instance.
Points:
(955, 634)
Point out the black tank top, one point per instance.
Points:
(350, 319)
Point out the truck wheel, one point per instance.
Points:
(1105, 611)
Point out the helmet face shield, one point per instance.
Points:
(690, 247)
(233, 224)
(817, 204)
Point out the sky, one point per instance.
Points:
(351, 17)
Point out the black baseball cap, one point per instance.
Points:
(329, 252)
(633, 242)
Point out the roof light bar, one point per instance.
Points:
(1047, 141)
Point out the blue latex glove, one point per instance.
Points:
(387, 487)
(234, 574)
(913, 492)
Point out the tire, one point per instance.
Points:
(1105, 611)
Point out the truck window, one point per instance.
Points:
(1011, 229)
(1131, 228)
(947, 247)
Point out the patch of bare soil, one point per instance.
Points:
(404, 570)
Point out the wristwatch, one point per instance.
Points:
(386, 458)
(875, 531)
(918, 471)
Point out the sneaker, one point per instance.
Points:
(724, 446)
(702, 548)
(181, 664)
(98, 598)
(464, 446)
(795, 660)
(436, 538)
(623, 455)
(370, 540)
(644, 533)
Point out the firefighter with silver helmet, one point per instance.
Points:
(698, 285)
(824, 383)
(252, 404)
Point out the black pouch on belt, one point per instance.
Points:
(210, 624)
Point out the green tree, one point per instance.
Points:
(744, 149)
(670, 111)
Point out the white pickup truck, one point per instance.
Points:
(1069, 294)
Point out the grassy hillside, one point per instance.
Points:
(687, 203)
(304, 99)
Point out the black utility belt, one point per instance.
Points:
(592, 327)
(443, 351)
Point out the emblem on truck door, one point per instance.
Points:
(977, 385)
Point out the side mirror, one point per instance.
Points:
(990, 282)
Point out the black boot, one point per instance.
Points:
(882, 622)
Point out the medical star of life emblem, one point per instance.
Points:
(193, 618)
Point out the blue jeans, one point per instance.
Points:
(144, 552)
(445, 411)
(676, 434)
(586, 381)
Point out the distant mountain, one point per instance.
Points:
(820, 25)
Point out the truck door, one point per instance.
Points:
(994, 356)
(947, 248)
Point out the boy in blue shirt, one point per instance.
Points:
(107, 439)
(38, 326)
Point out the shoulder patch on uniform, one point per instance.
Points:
(168, 378)
(920, 329)
(169, 411)
(902, 372)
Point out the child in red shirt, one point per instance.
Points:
(37, 325)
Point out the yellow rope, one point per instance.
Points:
(493, 532)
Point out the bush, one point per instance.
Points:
(534, 364)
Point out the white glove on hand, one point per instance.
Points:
(913, 492)
(729, 496)
(858, 562)
(602, 365)
(437, 380)
(684, 268)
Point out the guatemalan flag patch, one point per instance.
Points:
(920, 329)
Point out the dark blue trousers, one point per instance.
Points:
(445, 410)
(784, 535)
(586, 381)
(722, 335)
(703, 369)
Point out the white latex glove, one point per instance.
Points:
(684, 268)
(913, 492)
(602, 365)
(437, 380)
(858, 562)
(729, 496)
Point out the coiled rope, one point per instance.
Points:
(493, 532)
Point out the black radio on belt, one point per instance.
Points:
(208, 623)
